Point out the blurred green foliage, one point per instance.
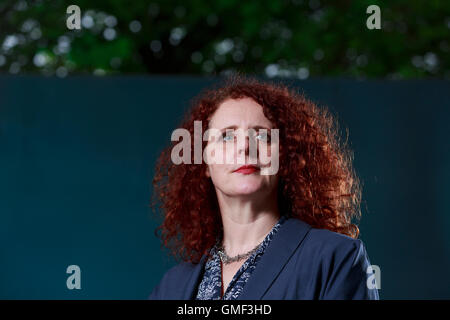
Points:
(299, 38)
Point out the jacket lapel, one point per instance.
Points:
(276, 255)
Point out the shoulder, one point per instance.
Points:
(321, 242)
(340, 262)
(328, 242)
(179, 269)
(331, 250)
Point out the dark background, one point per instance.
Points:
(76, 165)
(85, 113)
(283, 38)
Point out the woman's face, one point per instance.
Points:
(241, 115)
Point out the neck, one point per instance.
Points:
(246, 222)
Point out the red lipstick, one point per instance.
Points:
(247, 169)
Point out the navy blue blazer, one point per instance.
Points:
(300, 263)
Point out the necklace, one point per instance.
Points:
(226, 259)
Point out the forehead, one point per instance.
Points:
(243, 112)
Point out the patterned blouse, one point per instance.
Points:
(210, 287)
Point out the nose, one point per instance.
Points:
(244, 146)
(242, 143)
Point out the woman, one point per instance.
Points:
(244, 233)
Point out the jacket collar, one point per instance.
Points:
(282, 246)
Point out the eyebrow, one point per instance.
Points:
(236, 127)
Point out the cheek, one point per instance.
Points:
(269, 159)
(220, 154)
(267, 148)
(229, 153)
(218, 173)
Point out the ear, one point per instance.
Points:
(207, 173)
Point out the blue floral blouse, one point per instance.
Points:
(210, 287)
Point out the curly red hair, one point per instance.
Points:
(317, 183)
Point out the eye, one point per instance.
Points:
(263, 136)
(227, 136)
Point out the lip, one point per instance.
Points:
(247, 169)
